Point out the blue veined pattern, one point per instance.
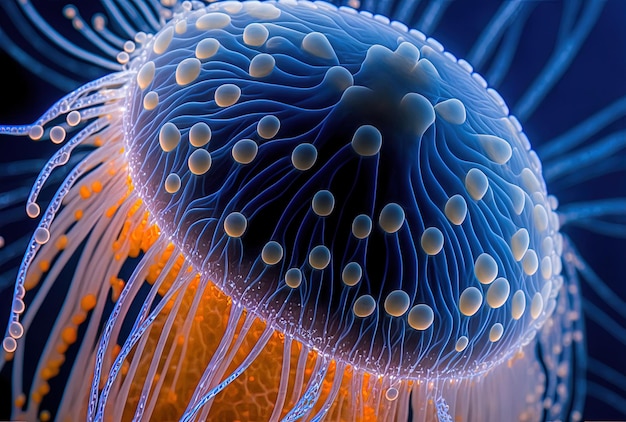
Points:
(561, 172)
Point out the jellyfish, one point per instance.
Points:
(292, 210)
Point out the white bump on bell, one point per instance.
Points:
(391, 218)
(452, 111)
(317, 44)
(456, 209)
(485, 268)
(476, 184)
(397, 303)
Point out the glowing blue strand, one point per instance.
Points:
(591, 278)
(611, 165)
(575, 211)
(570, 11)
(45, 222)
(369, 5)
(334, 389)
(433, 13)
(108, 329)
(222, 348)
(83, 28)
(18, 196)
(558, 63)
(21, 168)
(119, 18)
(141, 403)
(99, 98)
(139, 328)
(592, 155)
(12, 198)
(216, 371)
(64, 104)
(157, 6)
(603, 320)
(506, 53)
(607, 373)
(63, 43)
(604, 228)
(607, 395)
(48, 51)
(443, 410)
(580, 357)
(284, 380)
(406, 9)
(136, 17)
(148, 14)
(62, 156)
(33, 65)
(105, 33)
(490, 36)
(583, 131)
(310, 396)
(254, 353)
(384, 7)
(13, 250)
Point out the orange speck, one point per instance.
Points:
(44, 265)
(46, 373)
(116, 288)
(36, 397)
(111, 211)
(78, 214)
(79, 317)
(61, 347)
(68, 335)
(88, 302)
(44, 416)
(84, 192)
(32, 280)
(133, 210)
(180, 340)
(96, 186)
(44, 388)
(125, 367)
(20, 400)
(115, 351)
(61, 242)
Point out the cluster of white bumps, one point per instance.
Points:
(367, 141)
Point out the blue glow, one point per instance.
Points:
(260, 194)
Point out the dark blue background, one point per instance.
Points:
(595, 78)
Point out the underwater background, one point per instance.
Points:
(595, 79)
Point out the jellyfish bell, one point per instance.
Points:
(403, 134)
(336, 176)
(400, 117)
